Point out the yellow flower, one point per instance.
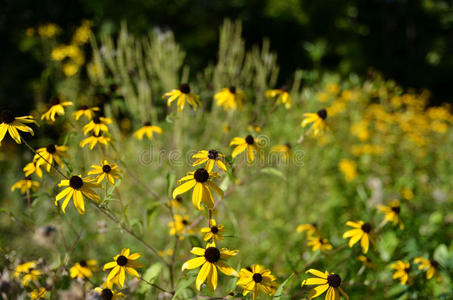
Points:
(107, 292)
(361, 232)
(83, 269)
(318, 120)
(177, 203)
(77, 187)
(97, 124)
(147, 130)
(284, 150)
(106, 170)
(210, 259)
(179, 225)
(431, 267)
(11, 124)
(82, 33)
(182, 95)
(283, 97)
(402, 270)
(56, 108)
(94, 139)
(38, 293)
(70, 69)
(349, 169)
(407, 194)
(48, 155)
(230, 98)
(248, 143)
(311, 229)
(123, 262)
(48, 30)
(214, 231)
(256, 278)
(25, 185)
(392, 213)
(84, 110)
(317, 242)
(366, 261)
(200, 182)
(28, 272)
(333, 88)
(326, 281)
(211, 157)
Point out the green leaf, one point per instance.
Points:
(279, 291)
(150, 275)
(441, 255)
(182, 285)
(274, 172)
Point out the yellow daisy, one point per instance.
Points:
(316, 242)
(182, 95)
(311, 229)
(431, 267)
(38, 293)
(147, 130)
(86, 111)
(201, 184)
(214, 231)
(177, 203)
(230, 98)
(256, 278)
(31, 168)
(284, 151)
(77, 187)
(248, 143)
(366, 261)
(83, 269)
(56, 108)
(318, 120)
(28, 271)
(123, 262)
(179, 225)
(12, 125)
(210, 259)
(349, 169)
(361, 232)
(25, 185)
(402, 270)
(392, 213)
(283, 97)
(106, 170)
(48, 155)
(94, 139)
(211, 157)
(97, 124)
(107, 292)
(326, 281)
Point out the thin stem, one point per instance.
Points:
(157, 287)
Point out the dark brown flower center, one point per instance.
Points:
(249, 140)
(7, 117)
(179, 199)
(97, 120)
(366, 227)
(322, 114)
(396, 209)
(83, 263)
(213, 154)
(257, 277)
(121, 260)
(106, 294)
(106, 168)
(321, 241)
(232, 89)
(288, 145)
(334, 280)
(27, 178)
(434, 263)
(54, 101)
(76, 182)
(185, 222)
(147, 124)
(407, 270)
(214, 229)
(314, 225)
(201, 175)
(51, 149)
(83, 107)
(212, 254)
(184, 88)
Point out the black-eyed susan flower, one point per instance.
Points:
(105, 170)
(183, 94)
(39, 293)
(283, 97)
(366, 261)
(200, 181)
(284, 151)
(256, 278)
(210, 157)
(25, 185)
(77, 188)
(392, 212)
(179, 225)
(318, 119)
(431, 267)
(48, 155)
(248, 144)
(310, 229)
(210, 259)
(230, 98)
(326, 281)
(214, 231)
(88, 112)
(83, 269)
(31, 168)
(177, 203)
(56, 108)
(123, 262)
(147, 130)
(12, 125)
(94, 139)
(28, 271)
(97, 124)
(361, 232)
(106, 292)
(349, 169)
(402, 269)
(317, 242)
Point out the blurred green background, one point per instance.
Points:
(408, 41)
